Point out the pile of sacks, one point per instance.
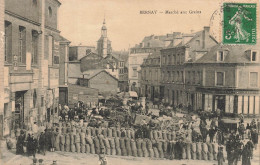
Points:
(121, 142)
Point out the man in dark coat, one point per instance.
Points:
(20, 144)
(42, 143)
(246, 155)
(254, 136)
(34, 146)
(220, 156)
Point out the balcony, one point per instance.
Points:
(20, 79)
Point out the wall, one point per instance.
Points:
(51, 19)
(104, 83)
(28, 7)
(79, 93)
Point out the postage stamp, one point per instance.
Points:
(239, 23)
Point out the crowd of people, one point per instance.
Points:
(239, 142)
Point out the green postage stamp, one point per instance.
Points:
(239, 26)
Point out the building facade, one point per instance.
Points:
(149, 45)
(177, 82)
(151, 78)
(31, 62)
(230, 79)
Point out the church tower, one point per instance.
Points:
(104, 44)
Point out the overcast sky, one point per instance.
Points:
(80, 21)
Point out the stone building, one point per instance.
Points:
(177, 82)
(139, 52)
(229, 79)
(31, 62)
(99, 79)
(151, 77)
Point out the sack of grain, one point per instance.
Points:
(83, 138)
(99, 131)
(164, 135)
(112, 143)
(114, 134)
(89, 140)
(83, 148)
(144, 149)
(156, 153)
(92, 149)
(97, 145)
(107, 146)
(67, 143)
(117, 145)
(139, 149)
(151, 134)
(198, 149)
(164, 146)
(118, 132)
(128, 133)
(128, 147)
(210, 151)
(88, 131)
(160, 149)
(93, 131)
(193, 151)
(72, 147)
(62, 142)
(159, 133)
(215, 150)
(188, 150)
(104, 132)
(84, 130)
(74, 130)
(109, 132)
(204, 151)
(122, 147)
(133, 148)
(172, 151)
(57, 142)
(87, 148)
(155, 135)
(132, 134)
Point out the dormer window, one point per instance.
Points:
(254, 56)
(220, 56)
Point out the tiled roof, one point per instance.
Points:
(235, 53)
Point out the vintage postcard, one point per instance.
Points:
(143, 82)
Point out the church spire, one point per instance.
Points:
(104, 29)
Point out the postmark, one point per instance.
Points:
(239, 23)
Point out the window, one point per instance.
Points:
(178, 76)
(8, 42)
(188, 78)
(169, 75)
(150, 75)
(254, 56)
(49, 11)
(21, 57)
(169, 59)
(175, 61)
(35, 2)
(220, 78)
(134, 72)
(194, 77)
(199, 77)
(253, 79)
(220, 56)
(173, 56)
(197, 42)
(34, 46)
(182, 77)
(173, 76)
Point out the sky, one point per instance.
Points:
(80, 21)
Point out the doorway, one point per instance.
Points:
(19, 108)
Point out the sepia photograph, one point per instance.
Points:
(129, 82)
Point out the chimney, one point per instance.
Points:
(205, 36)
